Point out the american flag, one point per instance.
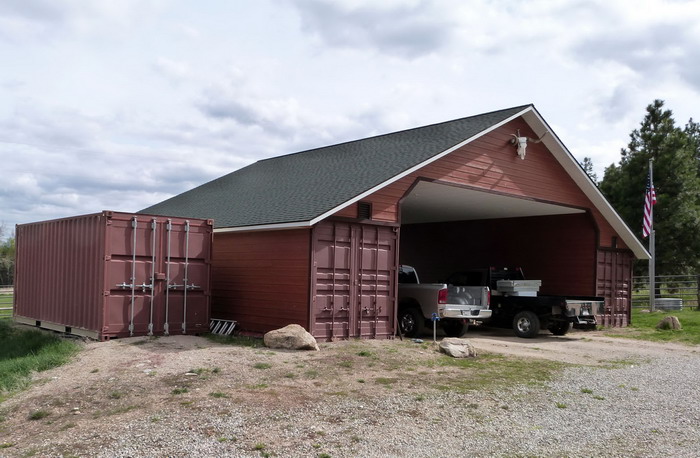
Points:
(649, 200)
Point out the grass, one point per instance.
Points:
(39, 414)
(240, 341)
(23, 351)
(491, 370)
(643, 327)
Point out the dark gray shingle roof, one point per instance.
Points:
(302, 186)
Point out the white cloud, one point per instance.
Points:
(118, 105)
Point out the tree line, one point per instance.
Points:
(7, 259)
(675, 152)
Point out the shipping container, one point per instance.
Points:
(354, 280)
(112, 274)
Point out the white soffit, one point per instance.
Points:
(431, 202)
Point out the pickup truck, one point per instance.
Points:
(454, 305)
(515, 303)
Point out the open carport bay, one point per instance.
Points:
(447, 229)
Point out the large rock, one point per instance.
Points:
(670, 322)
(457, 348)
(290, 337)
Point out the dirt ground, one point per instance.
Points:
(186, 377)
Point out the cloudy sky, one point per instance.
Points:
(119, 104)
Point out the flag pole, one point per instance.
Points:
(652, 249)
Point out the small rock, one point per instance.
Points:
(291, 337)
(457, 348)
(670, 322)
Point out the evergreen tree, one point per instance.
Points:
(674, 152)
(587, 166)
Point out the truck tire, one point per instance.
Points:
(410, 321)
(454, 328)
(560, 328)
(526, 324)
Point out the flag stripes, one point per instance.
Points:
(649, 201)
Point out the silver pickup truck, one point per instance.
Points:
(454, 305)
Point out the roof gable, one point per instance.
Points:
(300, 189)
(303, 187)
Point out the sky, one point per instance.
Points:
(120, 104)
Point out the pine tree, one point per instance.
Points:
(587, 166)
(674, 152)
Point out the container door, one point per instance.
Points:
(183, 297)
(353, 281)
(614, 283)
(376, 274)
(332, 278)
(130, 263)
(158, 276)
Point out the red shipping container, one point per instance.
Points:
(114, 274)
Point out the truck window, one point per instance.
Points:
(407, 275)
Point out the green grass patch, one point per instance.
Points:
(262, 365)
(643, 327)
(492, 370)
(23, 351)
(240, 341)
(38, 414)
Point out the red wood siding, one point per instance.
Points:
(491, 164)
(261, 279)
(559, 250)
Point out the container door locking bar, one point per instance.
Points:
(134, 224)
(187, 261)
(153, 272)
(166, 326)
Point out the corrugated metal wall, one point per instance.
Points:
(114, 274)
(353, 280)
(614, 283)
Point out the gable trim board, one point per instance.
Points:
(563, 156)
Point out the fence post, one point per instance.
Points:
(697, 286)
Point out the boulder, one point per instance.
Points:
(670, 322)
(457, 348)
(290, 337)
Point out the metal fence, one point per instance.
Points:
(679, 287)
(6, 295)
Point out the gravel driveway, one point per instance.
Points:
(187, 396)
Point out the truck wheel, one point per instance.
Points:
(454, 328)
(526, 324)
(410, 322)
(560, 328)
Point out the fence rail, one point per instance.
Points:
(684, 287)
(6, 295)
